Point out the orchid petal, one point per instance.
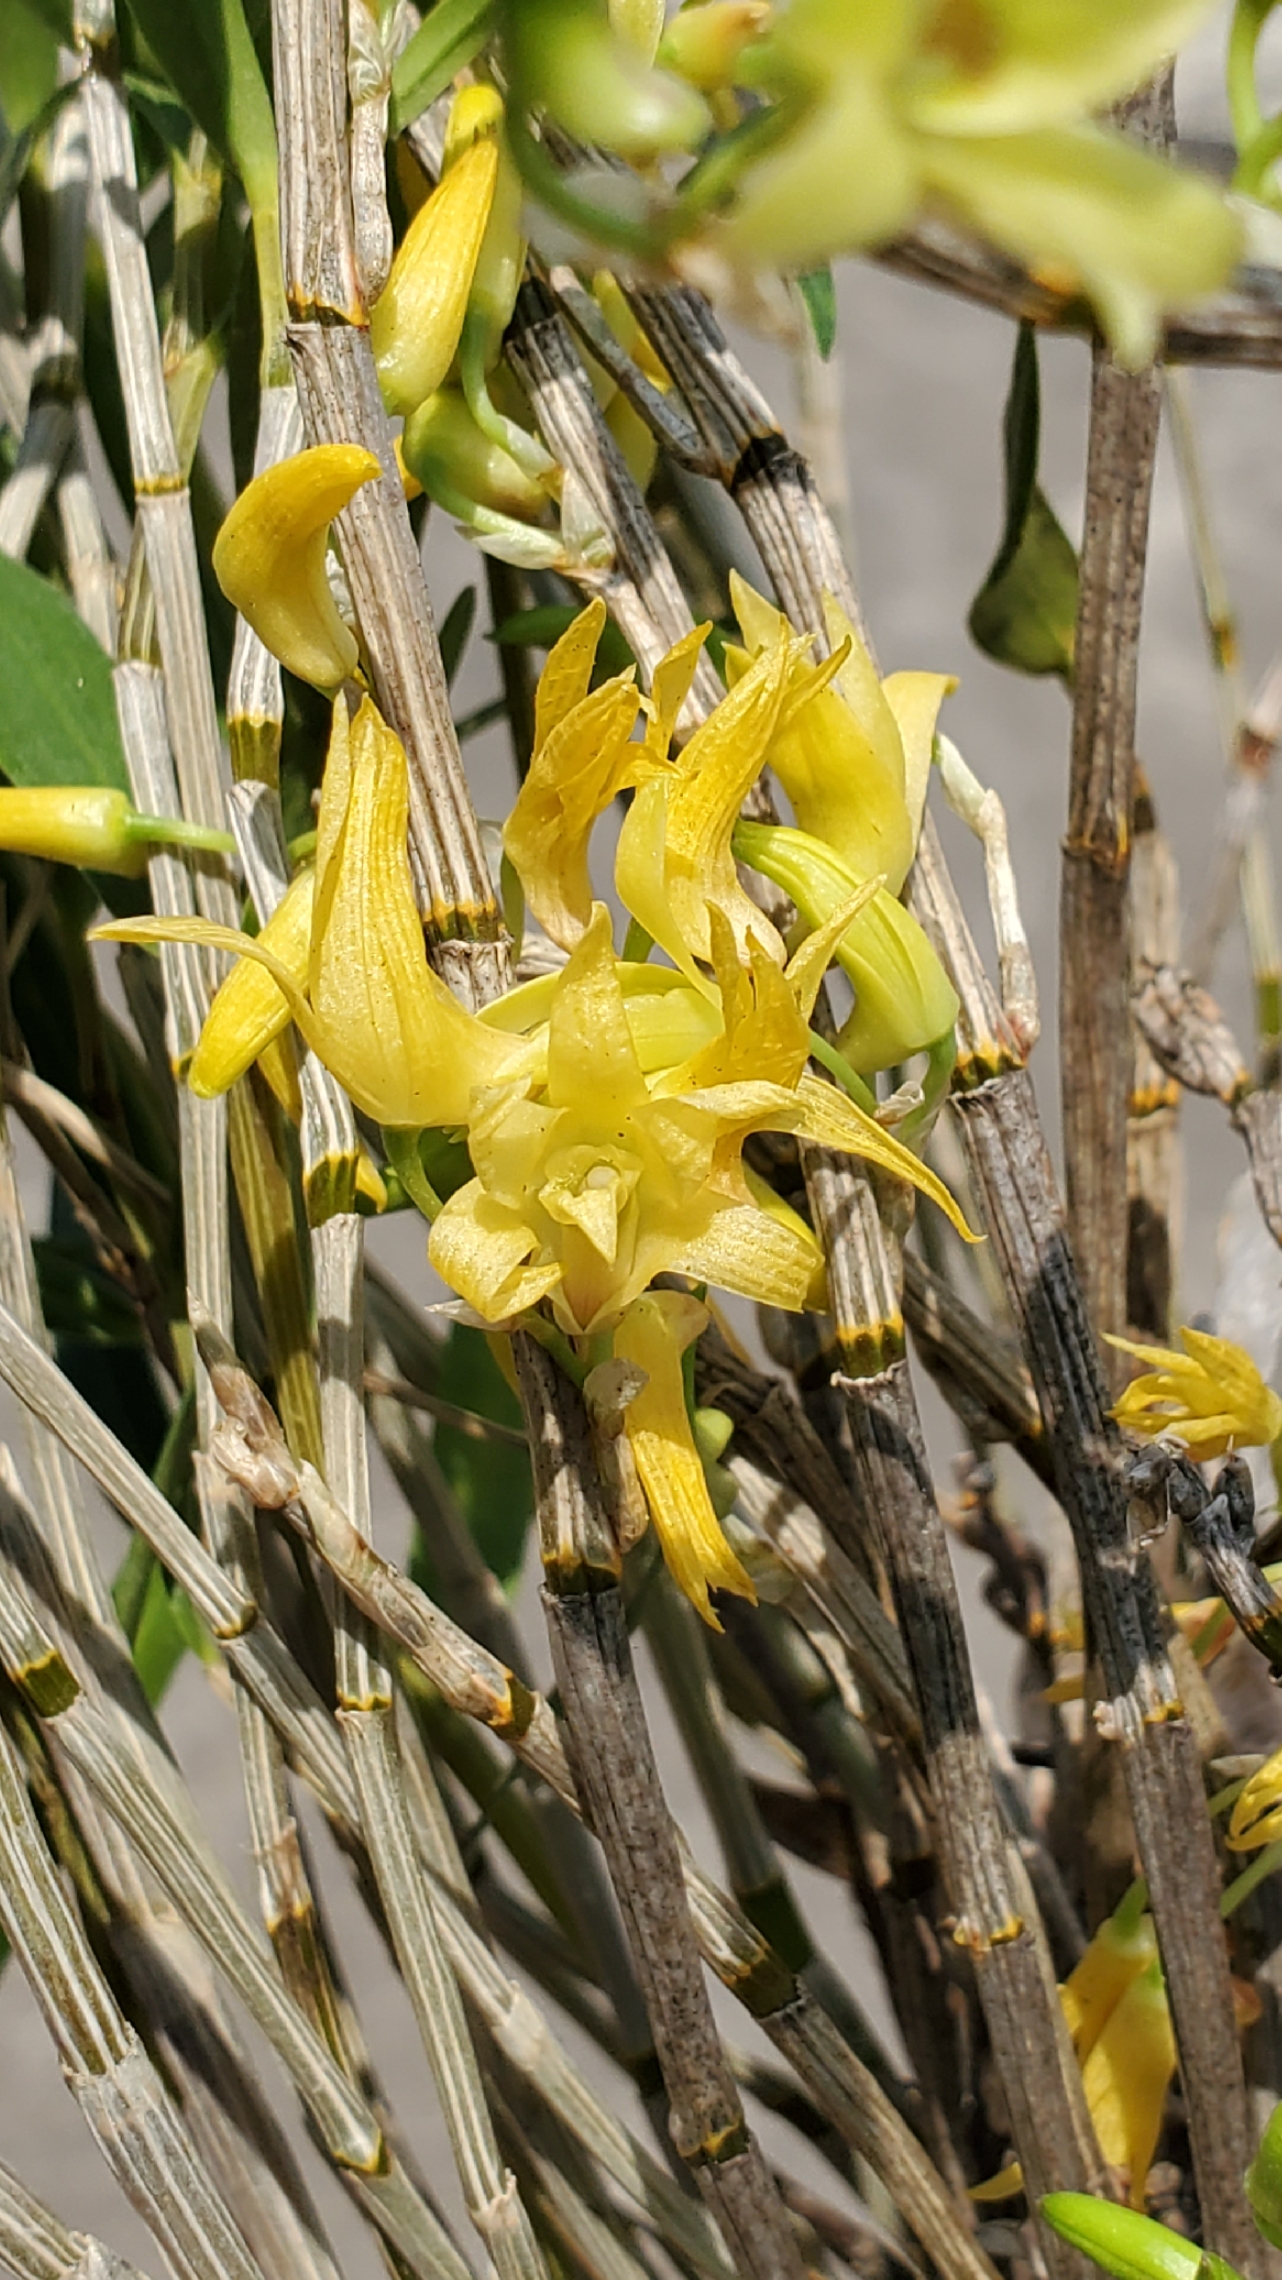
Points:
(567, 674)
(383, 1023)
(581, 763)
(250, 1009)
(653, 1335)
(481, 1247)
(269, 558)
(915, 699)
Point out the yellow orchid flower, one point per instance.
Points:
(605, 1106)
(417, 321)
(595, 1177)
(1256, 1818)
(372, 1010)
(904, 1001)
(582, 756)
(269, 558)
(674, 860)
(1211, 1397)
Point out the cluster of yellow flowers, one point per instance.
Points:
(606, 1105)
(823, 127)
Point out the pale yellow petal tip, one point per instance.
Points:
(1211, 1397)
(269, 558)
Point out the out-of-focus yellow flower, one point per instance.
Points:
(1211, 1397)
(566, 56)
(269, 558)
(417, 321)
(703, 44)
(1256, 1818)
(1116, 2008)
(981, 108)
(92, 825)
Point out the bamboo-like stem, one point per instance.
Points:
(195, 1885)
(55, 341)
(36, 2245)
(1013, 1176)
(1095, 1041)
(1192, 1042)
(471, 1594)
(340, 402)
(118, 2091)
(1048, 2112)
(1152, 1130)
(618, 1782)
(483, 1688)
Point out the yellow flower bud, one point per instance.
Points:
(269, 558)
(459, 465)
(703, 44)
(904, 1001)
(1127, 2075)
(92, 825)
(417, 321)
(1124, 1945)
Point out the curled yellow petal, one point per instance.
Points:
(654, 1334)
(835, 1121)
(417, 320)
(579, 764)
(385, 1025)
(250, 1009)
(269, 558)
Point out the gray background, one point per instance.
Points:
(924, 380)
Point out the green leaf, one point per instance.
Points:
(1025, 613)
(208, 57)
(539, 628)
(491, 1479)
(449, 36)
(28, 64)
(58, 718)
(456, 626)
(819, 292)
